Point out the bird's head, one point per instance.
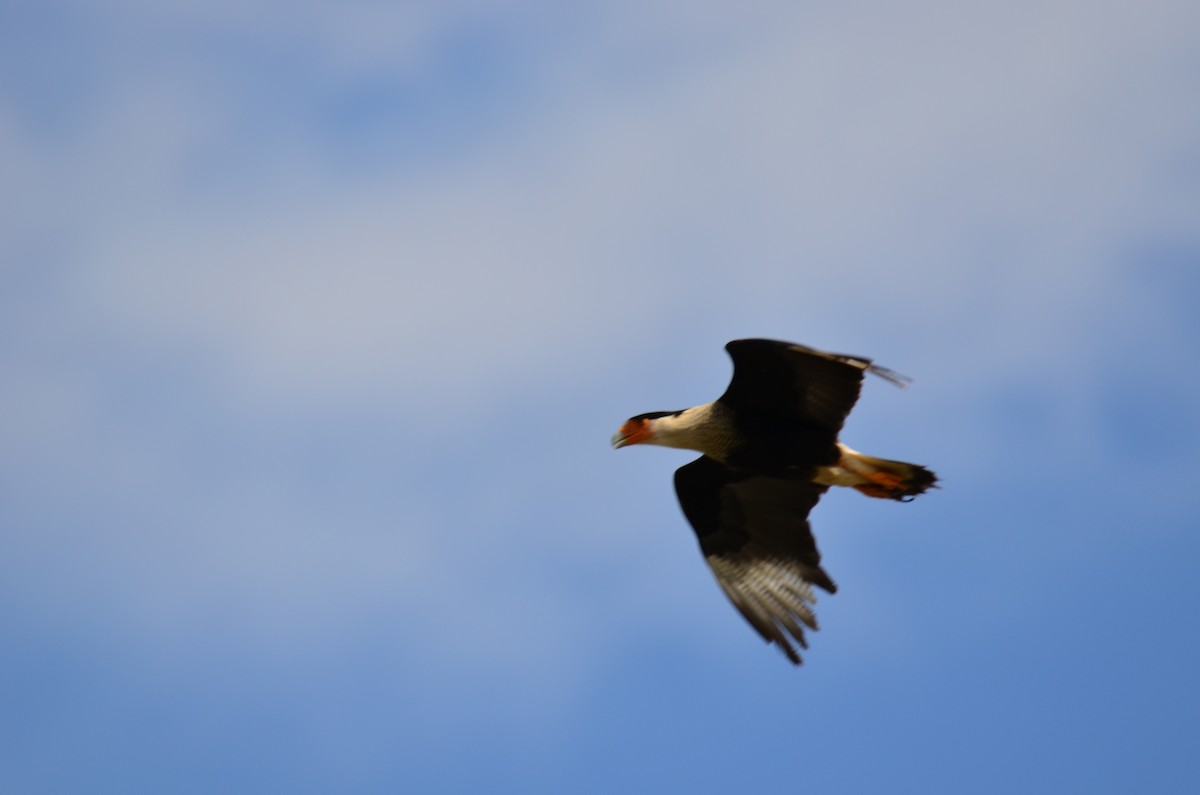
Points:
(639, 429)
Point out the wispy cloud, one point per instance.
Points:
(315, 320)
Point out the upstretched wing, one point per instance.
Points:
(782, 379)
(754, 533)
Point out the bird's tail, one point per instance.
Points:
(886, 479)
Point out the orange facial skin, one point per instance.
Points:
(633, 432)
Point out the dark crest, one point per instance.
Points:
(653, 415)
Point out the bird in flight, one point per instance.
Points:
(770, 450)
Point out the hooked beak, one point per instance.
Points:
(632, 432)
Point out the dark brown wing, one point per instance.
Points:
(784, 380)
(754, 534)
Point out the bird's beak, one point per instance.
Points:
(632, 432)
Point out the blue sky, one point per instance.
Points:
(317, 320)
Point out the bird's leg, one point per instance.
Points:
(883, 485)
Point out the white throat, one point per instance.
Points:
(699, 428)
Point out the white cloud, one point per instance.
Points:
(605, 212)
(955, 188)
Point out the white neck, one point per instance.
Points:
(698, 428)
